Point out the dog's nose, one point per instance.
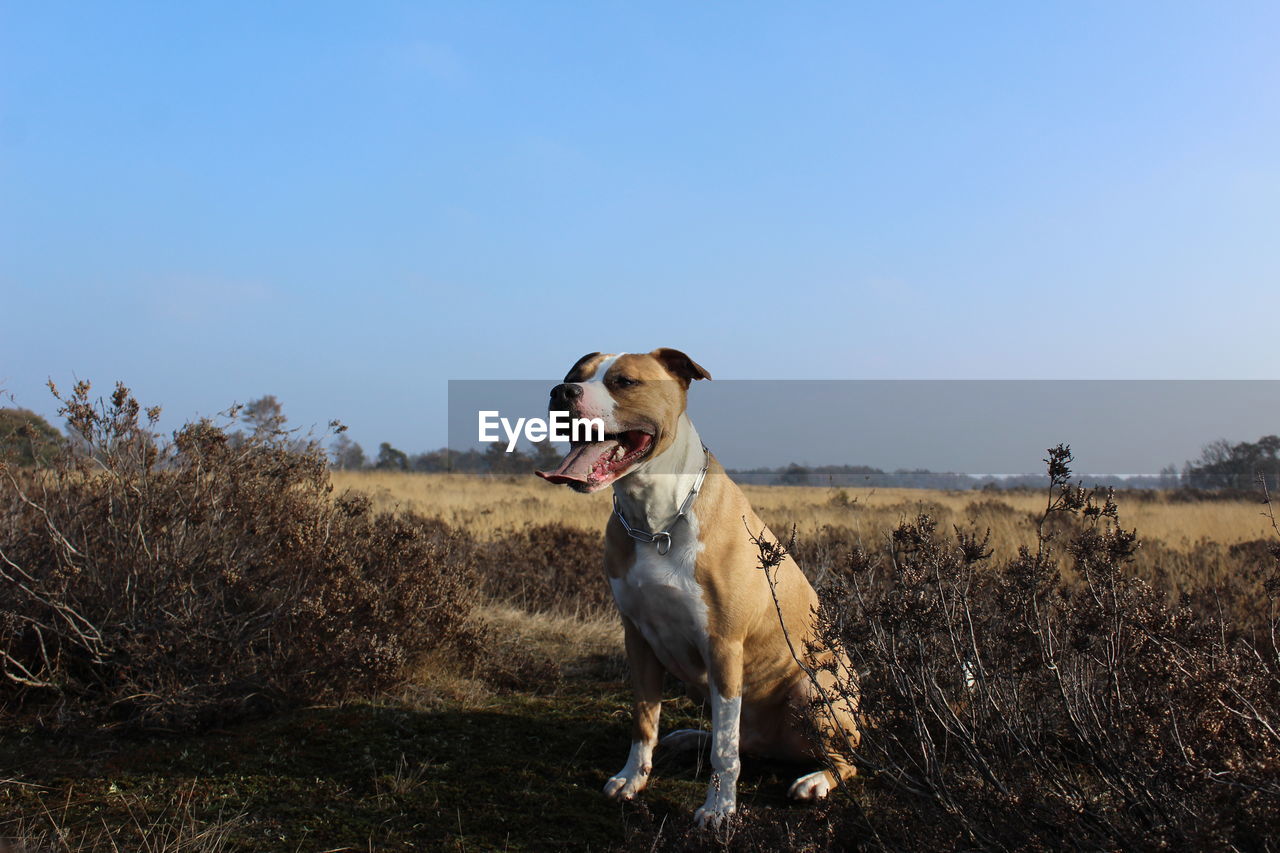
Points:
(565, 393)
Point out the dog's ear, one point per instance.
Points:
(680, 365)
(572, 375)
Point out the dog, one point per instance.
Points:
(686, 579)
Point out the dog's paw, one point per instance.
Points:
(716, 810)
(814, 786)
(686, 740)
(626, 785)
(713, 817)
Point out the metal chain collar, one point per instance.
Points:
(662, 539)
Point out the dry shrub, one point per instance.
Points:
(1190, 494)
(1225, 583)
(176, 585)
(992, 508)
(1008, 708)
(1218, 580)
(547, 568)
(820, 552)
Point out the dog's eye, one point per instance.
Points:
(625, 381)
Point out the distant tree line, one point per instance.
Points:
(28, 439)
(348, 455)
(1224, 465)
(845, 476)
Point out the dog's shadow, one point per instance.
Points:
(528, 771)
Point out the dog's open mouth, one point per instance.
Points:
(592, 466)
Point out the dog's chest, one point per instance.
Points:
(660, 595)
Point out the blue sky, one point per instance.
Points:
(346, 205)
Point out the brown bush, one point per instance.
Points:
(822, 551)
(1007, 708)
(991, 508)
(178, 584)
(547, 568)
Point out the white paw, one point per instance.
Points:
(685, 740)
(716, 810)
(814, 786)
(709, 817)
(626, 785)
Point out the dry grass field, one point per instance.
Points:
(1208, 549)
(489, 506)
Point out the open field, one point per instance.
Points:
(1206, 548)
(489, 505)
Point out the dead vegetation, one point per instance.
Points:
(1032, 679)
(152, 825)
(492, 506)
(1012, 706)
(179, 585)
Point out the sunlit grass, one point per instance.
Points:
(489, 505)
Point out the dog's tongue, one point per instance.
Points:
(580, 462)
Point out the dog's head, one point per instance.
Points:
(639, 397)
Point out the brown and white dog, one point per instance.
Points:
(692, 597)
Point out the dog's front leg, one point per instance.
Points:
(726, 716)
(646, 684)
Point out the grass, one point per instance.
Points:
(490, 505)
(466, 769)
(1187, 547)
